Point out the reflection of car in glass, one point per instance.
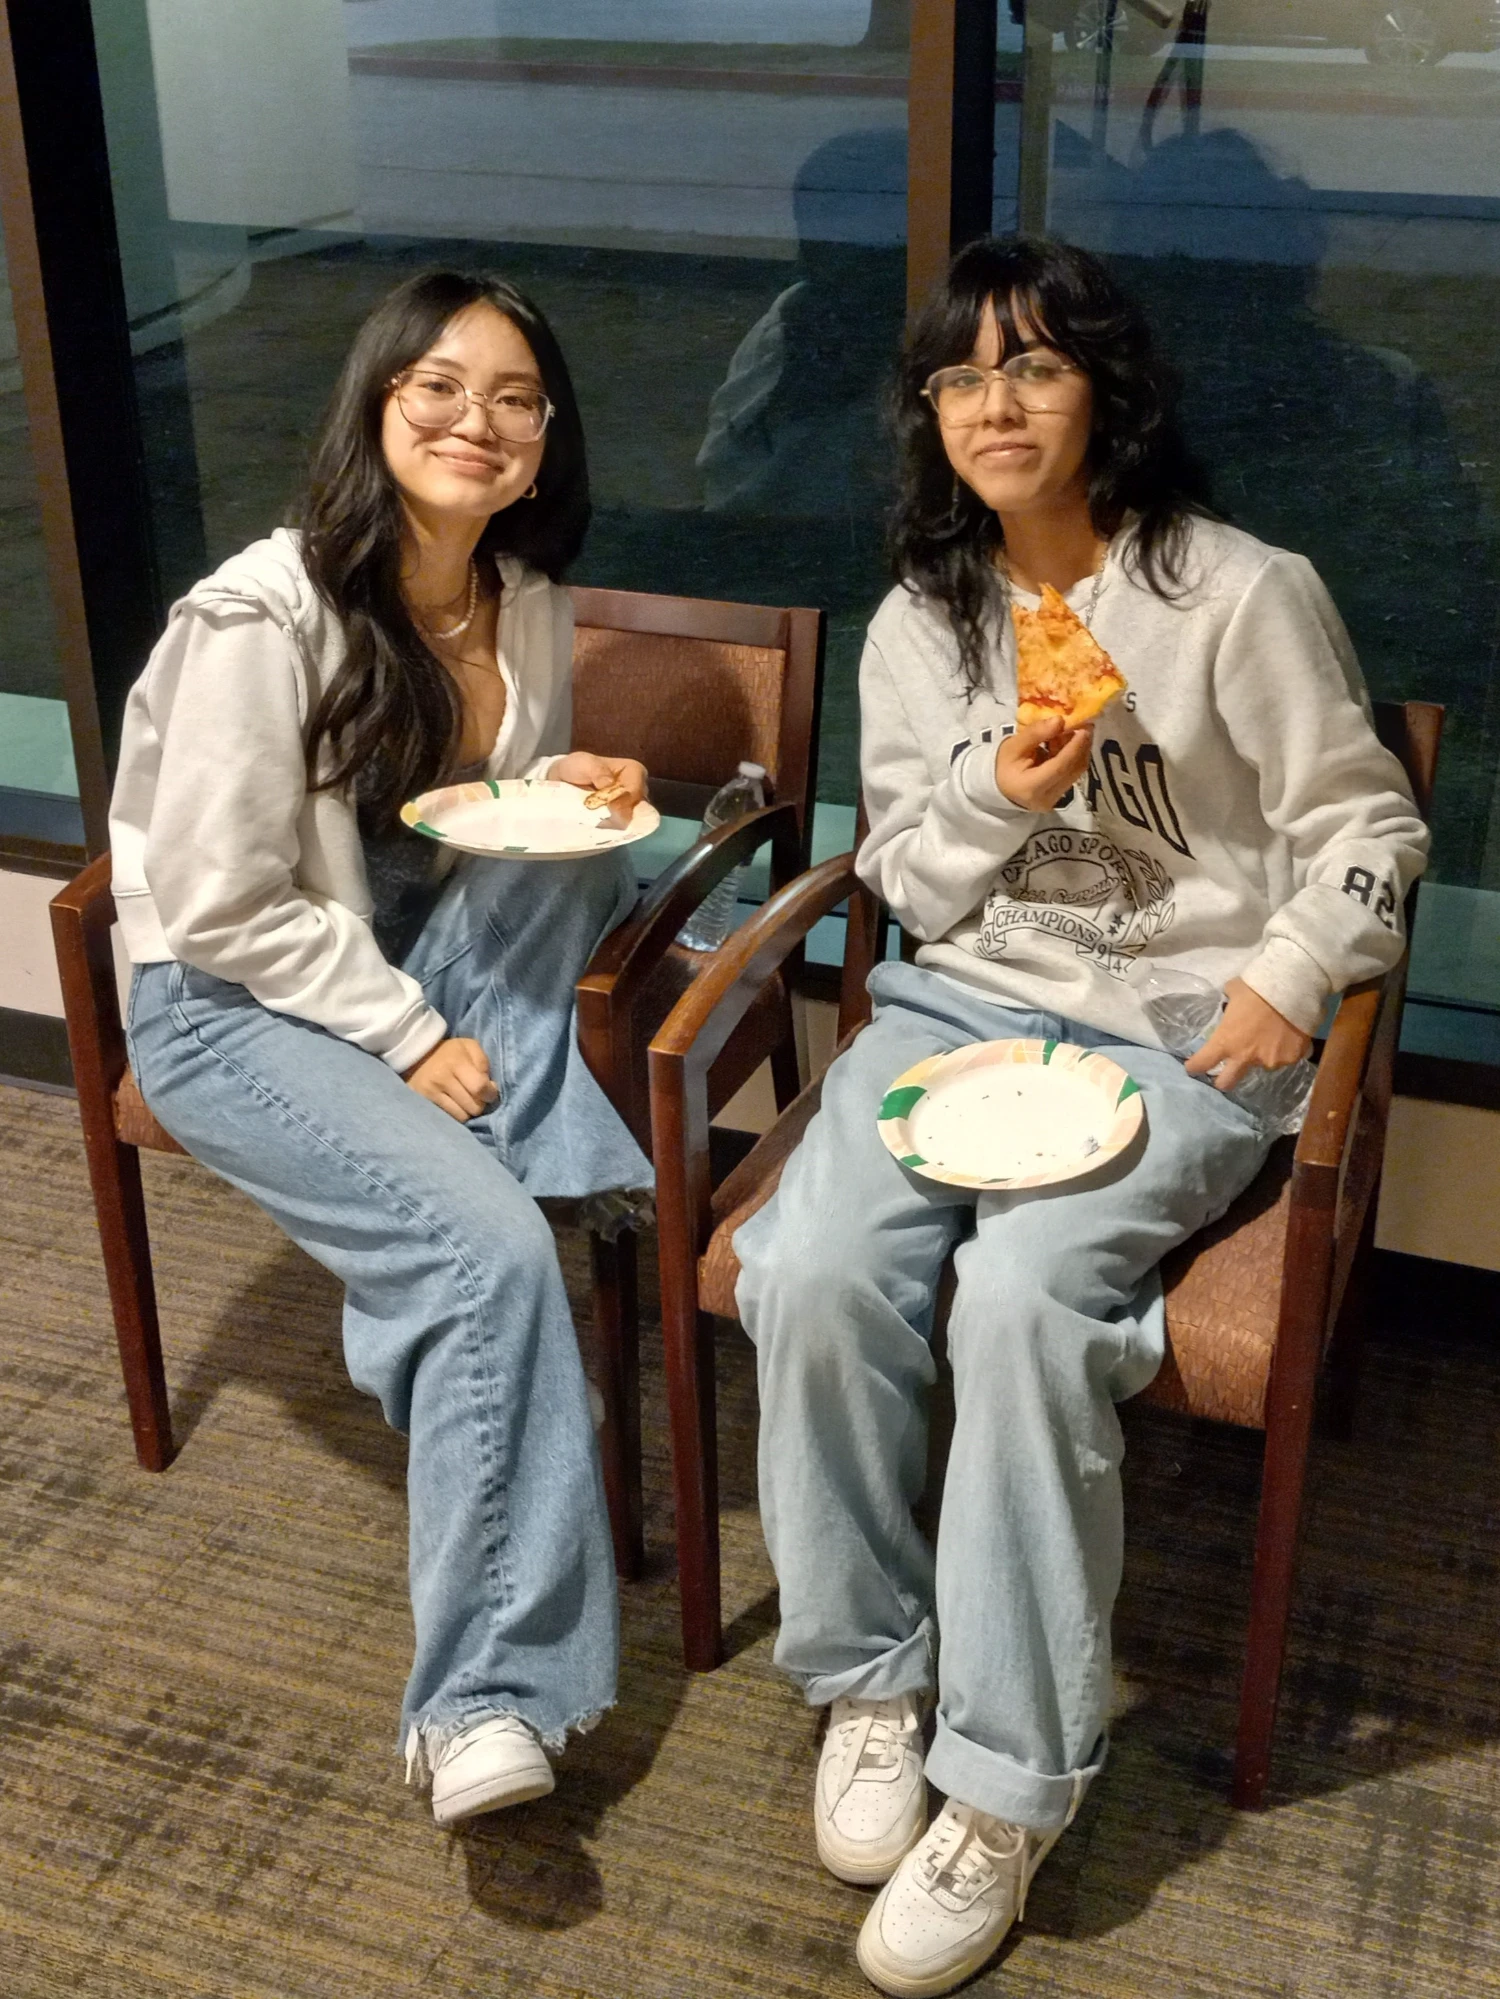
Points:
(1392, 33)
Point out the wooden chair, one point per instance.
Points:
(690, 687)
(1256, 1304)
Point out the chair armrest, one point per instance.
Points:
(1341, 1072)
(83, 916)
(693, 1033)
(87, 896)
(702, 1021)
(1335, 1170)
(631, 952)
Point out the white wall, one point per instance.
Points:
(253, 97)
(28, 968)
(28, 971)
(1441, 1193)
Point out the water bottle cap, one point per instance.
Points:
(752, 770)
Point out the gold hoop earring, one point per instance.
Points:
(530, 493)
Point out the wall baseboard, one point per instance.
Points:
(34, 1049)
(1440, 1079)
(44, 817)
(1426, 1292)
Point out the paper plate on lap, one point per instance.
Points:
(1004, 1114)
(523, 818)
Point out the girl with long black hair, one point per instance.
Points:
(1233, 818)
(377, 1047)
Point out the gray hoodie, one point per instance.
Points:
(223, 858)
(1239, 817)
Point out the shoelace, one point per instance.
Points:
(872, 1741)
(961, 1852)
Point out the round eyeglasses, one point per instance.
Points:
(430, 401)
(1037, 381)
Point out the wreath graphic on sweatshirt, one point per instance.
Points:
(1107, 901)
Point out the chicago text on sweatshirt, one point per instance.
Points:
(1239, 817)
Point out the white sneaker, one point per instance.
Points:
(947, 1908)
(497, 1761)
(870, 1801)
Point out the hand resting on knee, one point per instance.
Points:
(456, 1077)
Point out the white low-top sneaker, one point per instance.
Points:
(946, 1909)
(496, 1762)
(870, 1801)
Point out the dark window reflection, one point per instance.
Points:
(1316, 232)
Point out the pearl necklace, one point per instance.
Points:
(448, 633)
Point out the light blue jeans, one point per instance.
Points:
(455, 1314)
(1057, 1317)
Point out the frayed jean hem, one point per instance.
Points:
(1007, 1790)
(908, 1668)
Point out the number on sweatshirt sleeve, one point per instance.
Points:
(1361, 883)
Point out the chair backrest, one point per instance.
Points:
(1413, 731)
(693, 688)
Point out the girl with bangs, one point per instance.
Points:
(1232, 817)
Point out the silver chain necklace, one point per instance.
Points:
(1093, 603)
(1099, 575)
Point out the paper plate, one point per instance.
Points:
(524, 818)
(1011, 1114)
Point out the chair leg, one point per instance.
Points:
(617, 1321)
(115, 1175)
(688, 1336)
(1288, 1430)
(1345, 1350)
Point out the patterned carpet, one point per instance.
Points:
(199, 1674)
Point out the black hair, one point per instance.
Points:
(391, 716)
(943, 539)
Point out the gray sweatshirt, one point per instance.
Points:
(1239, 817)
(223, 858)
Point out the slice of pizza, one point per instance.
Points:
(1061, 668)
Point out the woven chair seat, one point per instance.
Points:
(1223, 1287)
(134, 1124)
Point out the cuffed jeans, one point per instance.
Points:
(455, 1314)
(1057, 1317)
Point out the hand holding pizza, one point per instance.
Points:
(1042, 760)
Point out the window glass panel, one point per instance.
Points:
(38, 787)
(707, 197)
(1307, 200)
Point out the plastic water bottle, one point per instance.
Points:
(713, 919)
(1184, 1009)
